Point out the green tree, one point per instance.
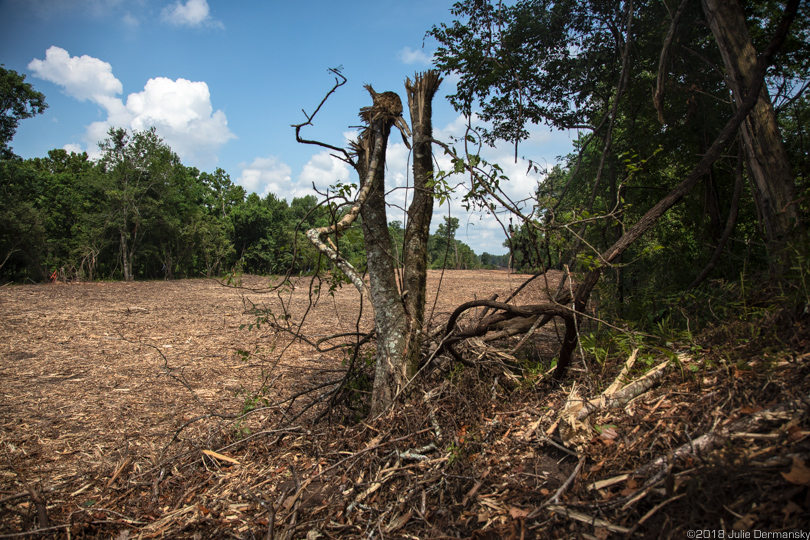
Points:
(222, 195)
(397, 233)
(590, 66)
(22, 229)
(174, 237)
(306, 213)
(18, 101)
(261, 234)
(70, 202)
(137, 170)
(442, 245)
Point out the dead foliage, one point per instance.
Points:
(645, 446)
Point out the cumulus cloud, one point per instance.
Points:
(180, 110)
(82, 77)
(72, 148)
(322, 170)
(265, 175)
(192, 13)
(410, 56)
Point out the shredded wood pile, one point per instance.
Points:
(701, 442)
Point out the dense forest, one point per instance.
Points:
(139, 213)
(662, 193)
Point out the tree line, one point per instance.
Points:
(138, 213)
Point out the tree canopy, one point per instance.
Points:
(646, 86)
(18, 101)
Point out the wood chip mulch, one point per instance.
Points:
(107, 431)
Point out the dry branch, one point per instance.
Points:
(708, 442)
(623, 396)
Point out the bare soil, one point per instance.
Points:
(118, 403)
(94, 372)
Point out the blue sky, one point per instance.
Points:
(223, 81)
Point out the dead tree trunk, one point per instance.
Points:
(399, 315)
(768, 164)
(420, 93)
(389, 311)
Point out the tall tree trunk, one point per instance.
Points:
(389, 311)
(768, 164)
(415, 248)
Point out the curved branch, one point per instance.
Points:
(365, 338)
(340, 80)
(318, 235)
(537, 315)
(658, 94)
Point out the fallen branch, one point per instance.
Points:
(712, 440)
(584, 518)
(623, 396)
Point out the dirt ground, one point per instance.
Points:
(116, 421)
(93, 372)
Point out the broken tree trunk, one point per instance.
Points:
(389, 311)
(420, 93)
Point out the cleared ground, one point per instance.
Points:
(98, 380)
(93, 372)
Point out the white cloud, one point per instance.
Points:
(410, 56)
(130, 20)
(480, 230)
(322, 170)
(180, 110)
(83, 77)
(74, 148)
(265, 175)
(192, 13)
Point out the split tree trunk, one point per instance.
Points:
(398, 321)
(389, 312)
(415, 249)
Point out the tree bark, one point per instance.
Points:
(389, 312)
(420, 94)
(768, 164)
(125, 257)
